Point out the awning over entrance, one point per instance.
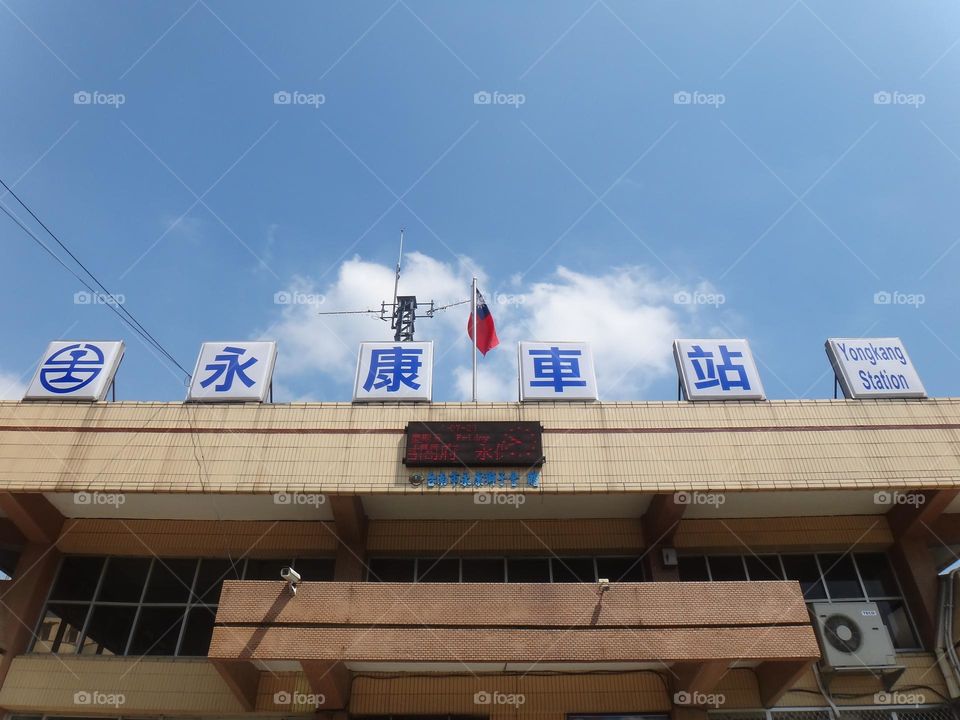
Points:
(694, 631)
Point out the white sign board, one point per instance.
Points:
(717, 370)
(75, 370)
(874, 368)
(233, 372)
(557, 371)
(394, 372)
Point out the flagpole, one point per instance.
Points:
(473, 313)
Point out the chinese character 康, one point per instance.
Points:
(392, 367)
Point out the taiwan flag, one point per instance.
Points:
(487, 334)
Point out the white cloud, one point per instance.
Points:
(11, 386)
(492, 383)
(311, 342)
(628, 315)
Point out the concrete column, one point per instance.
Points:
(22, 600)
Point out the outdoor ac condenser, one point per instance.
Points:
(852, 636)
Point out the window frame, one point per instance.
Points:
(192, 602)
(823, 581)
(505, 560)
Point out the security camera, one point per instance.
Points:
(292, 577)
(603, 584)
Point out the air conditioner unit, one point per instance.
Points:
(852, 637)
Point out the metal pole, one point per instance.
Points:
(396, 280)
(473, 314)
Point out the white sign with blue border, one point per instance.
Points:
(76, 370)
(394, 372)
(717, 370)
(874, 368)
(238, 371)
(557, 371)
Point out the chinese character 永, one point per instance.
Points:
(711, 374)
(391, 367)
(229, 366)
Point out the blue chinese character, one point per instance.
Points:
(392, 367)
(533, 478)
(711, 374)
(229, 366)
(71, 368)
(556, 368)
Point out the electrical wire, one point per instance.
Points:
(125, 315)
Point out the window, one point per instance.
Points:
(825, 576)
(147, 606)
(513, 569)
(483, 569)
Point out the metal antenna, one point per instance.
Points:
(402, 312)
(396, 280)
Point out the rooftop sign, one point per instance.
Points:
(717, 370)
(557, 371)
(233, 372)
(474, 444)
(874, 368)
(394, 371)
(72, 370)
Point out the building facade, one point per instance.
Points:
(659, 559)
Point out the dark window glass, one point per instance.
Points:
(170, 581)
(877, 575)
(109, 630)
(313, 569)
(483, 570)
(764, 567)
(727, 567)
(894, 614)
(158, 630)
(77, 579)
(196, 638)
(438, 570)
(211, 576)
(60, 628)
(573, 570)
(692, 568)
(264, 569)
(124, 579)
(620, 569)
(392, 569)
(803, 568)
(841, 577)
(528, 570)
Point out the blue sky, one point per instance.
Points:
(586, 200)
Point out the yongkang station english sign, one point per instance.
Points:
(467, 445)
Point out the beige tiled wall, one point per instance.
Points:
(331, 448)
(148, 686)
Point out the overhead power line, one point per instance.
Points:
(121, 312)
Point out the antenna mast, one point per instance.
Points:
(402, 312)
(396, 281)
